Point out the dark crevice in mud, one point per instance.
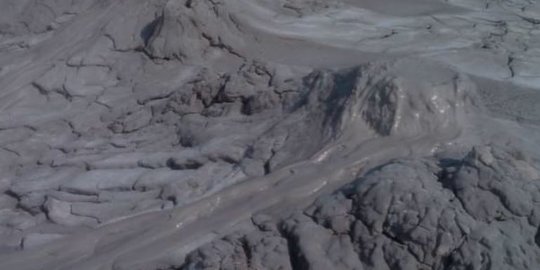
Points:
(187, 165)
(446, 178)
(531, 20)
(344, 86)
(537, 237)
(173, 199)
(393, 238)
(220, 97)
(247, 105)
(267, 169)
(447, 262)
(157, 59)
(309, 84)
(267, 164)
(247, 251)
(509, 64)
(12, 194)
(296, 258)
(446, 174)
(151, 29)
(222, 46)
(186, 138)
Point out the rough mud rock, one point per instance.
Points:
(479, 212)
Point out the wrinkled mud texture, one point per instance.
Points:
(270, 134)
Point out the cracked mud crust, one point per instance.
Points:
(283, 134)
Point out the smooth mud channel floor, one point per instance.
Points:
(269, 134)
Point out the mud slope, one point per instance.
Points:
(289, 134)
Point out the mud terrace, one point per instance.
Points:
(270, 134)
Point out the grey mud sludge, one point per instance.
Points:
(270, 134)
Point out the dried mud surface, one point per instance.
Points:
(284, 134)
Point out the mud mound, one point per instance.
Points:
(192, 30)
(389, 100)
(471, 213)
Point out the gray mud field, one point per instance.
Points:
(269, 134)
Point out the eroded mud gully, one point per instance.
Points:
(305, 134)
